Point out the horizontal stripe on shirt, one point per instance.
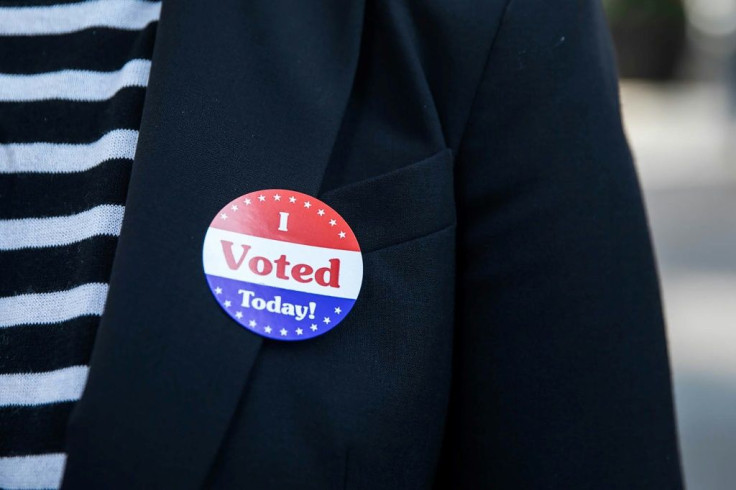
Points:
(59, 19)
(32, 472)
(72, 87)
(96, 49)
(56, 307)
(28, 269)
(27, 389)
(105, 219)
(55, 158)
(38, 348)
(76, 85)
(43, 428)
(65, 121)
(34, 3)
(106, 182)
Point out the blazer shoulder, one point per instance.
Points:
(451, 40)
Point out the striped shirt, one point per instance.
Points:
(73, 77)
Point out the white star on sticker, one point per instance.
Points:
(276, 197)
(238, 315)
(261, 198)
(218, 290)
(267, 329)
(247, 202)
(299, 331)
(342, 234)
(313, 327)
(223, 216)
(283, 332)
(252, 323)
(338, 310)
(326, 320)
(307, 204)
(292, 199)
(333, 222)
(227, 304)
(234, 207)
(321, 212)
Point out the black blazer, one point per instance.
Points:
(508, 334)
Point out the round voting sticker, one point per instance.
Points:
(282, 264)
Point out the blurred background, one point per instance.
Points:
(677, 59)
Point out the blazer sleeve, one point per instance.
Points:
(561, 376)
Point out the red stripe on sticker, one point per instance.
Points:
(288, 216)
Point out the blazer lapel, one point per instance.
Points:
(242, 96)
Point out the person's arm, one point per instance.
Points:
(561, 370)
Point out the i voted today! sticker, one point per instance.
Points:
(282, 264)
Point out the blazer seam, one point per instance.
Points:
(409, 240)
(483, 74)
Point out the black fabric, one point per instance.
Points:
(421, 189)
(101, 49)
(65, 121)
(37, 430)
(106, 183)
(42, 348)
(508, 333)
(58, 268)
(558, 312)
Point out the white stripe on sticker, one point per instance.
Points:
(216, 263)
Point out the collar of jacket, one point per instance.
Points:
(258, 105)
